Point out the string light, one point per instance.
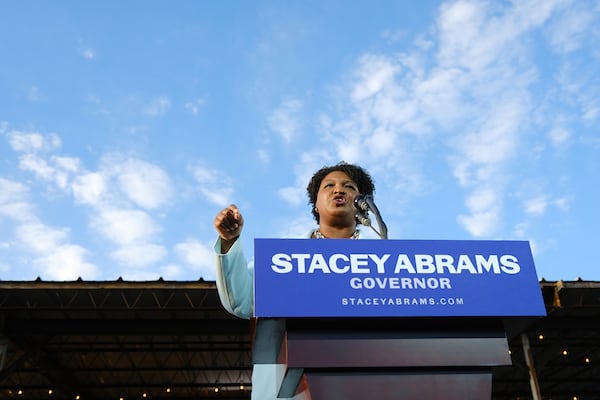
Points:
(565, 352)
(587, 360)
(216, 390)
(168, 390)
(50, 392)
(541, 337)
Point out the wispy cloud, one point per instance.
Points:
(483, 205)
(33, 142)
(34, 94)
(214, 185)
(194, 107)
(67, 262)
(124, 226)
(14, 201)
(285, 119)
(120, 195)
(145, 184)
(568, 33)
(86, 51)
(139, 255)
(158, 107)
(536, 205)
(48, 248)
(198, 256)
(448, 94)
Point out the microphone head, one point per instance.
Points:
(360, 203)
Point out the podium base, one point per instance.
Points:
(384, 359)
(325, 385)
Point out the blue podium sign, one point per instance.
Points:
(394, 278)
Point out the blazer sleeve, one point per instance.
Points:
(235, 280)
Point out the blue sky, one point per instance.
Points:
(126, 126)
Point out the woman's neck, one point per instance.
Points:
(333, 232)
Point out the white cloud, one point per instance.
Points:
(171, 272)
(13, 201)
(145, 184)
(199, 256)
(213, 185)
(194, 252)
(264, 156)
(18, 211)
(31, 142)
(284, 120)
(559, 136)
(293, 195)
(122, 182)
(37, 165)
(536, 205)
(67, 262)
(56, 170)
(571, 28)
(373, 74)
(139, 255)
(125, 226)
(11, 191)
(70, 164)
(33, 94)
(157, 107)
(88, 53)
(382, 143)
(89, 188)
(194, 106)
(51, 251)
(40, 238)
(563, 203)
(484, 212)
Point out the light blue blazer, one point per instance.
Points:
(235, 281)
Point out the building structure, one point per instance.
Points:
(121, 340)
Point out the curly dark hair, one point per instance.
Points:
(358, 174)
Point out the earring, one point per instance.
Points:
(316, 210)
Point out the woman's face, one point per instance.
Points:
(335, 198)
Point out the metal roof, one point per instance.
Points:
(113, 340)
(173, 340)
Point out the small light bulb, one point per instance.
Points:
(565, 352)
(541, 337)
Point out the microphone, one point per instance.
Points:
(361, 205)
(364, 204)
(360, 202)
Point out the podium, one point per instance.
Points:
(402, 341)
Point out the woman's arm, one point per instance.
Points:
(235, 280)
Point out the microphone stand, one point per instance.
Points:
(365, 220)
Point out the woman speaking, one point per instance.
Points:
(331, 192)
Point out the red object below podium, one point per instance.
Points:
(383, 358)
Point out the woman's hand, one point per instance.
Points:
(229, 223)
